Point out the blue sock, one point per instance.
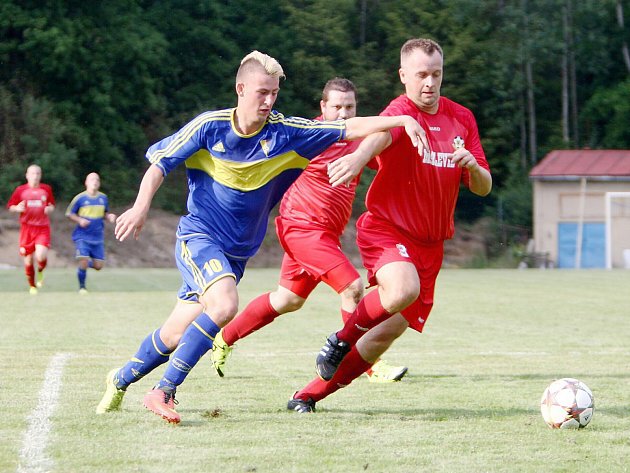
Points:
(81, 274)
(90, 264)
(195, 342)
(151, 354)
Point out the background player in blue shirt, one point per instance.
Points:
(239, 162)
(89, 209)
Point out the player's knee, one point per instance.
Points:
(97, 265)
(397, 298)
(354, 292)
(224, 312)
(287, 302)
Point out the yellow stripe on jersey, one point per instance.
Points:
(92, 211)
(188, 131)
(194, 269)
(245, 176)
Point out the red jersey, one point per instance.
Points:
(312, 200)
(36, 199)
(417, 193)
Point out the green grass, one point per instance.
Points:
(495, 339)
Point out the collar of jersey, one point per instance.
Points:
(233, 124)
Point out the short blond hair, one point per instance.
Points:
(257, 60)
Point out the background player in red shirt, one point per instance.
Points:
(410, 208)
(313, 215)
(34, 201)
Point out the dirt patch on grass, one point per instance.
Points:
(155, 247)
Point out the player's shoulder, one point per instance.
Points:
(46, 187)
(453, 108)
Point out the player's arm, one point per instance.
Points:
(50, 208)
(18, 208)
(132, 220)
(82, 222)
(480, 178)
(358, 127)
(346, 168)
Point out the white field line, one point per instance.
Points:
(33, 458)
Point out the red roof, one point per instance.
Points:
(583, 163)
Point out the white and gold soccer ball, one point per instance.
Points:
(567, 403)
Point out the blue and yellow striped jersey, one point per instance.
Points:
(234, 179)
(92, 208)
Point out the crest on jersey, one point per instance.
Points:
(458, 142)
(265, 147)
(219, 147)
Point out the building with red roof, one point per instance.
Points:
(581, 208)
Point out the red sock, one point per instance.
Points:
(345, 315)
(41, 265)
(369, 313)
(350, 368)
(256, 315)
(30, 274)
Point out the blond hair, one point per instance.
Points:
(257, 60)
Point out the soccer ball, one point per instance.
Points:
(567, 403)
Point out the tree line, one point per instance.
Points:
(88, 86)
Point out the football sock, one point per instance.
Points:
(369, 313)
(151, 354)
(256, 315)
(30, 274)
(81, 274)
(41, 265)
(350, 368)
(195, 342)
(90, 264)
(345, 315)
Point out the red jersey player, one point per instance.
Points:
(410, 208)
(33, 201)
(313, 215)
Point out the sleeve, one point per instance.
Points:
(73, 206)
(314, 137)
(51, 197)
(473, 144)
(174, 149)
(15, 197)
(392, 110)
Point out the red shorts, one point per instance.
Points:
(31, 235)
(381, 243)
(312, 255)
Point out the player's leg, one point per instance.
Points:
(27, 248)
(389, 264)
(97, 255)
(154, 351)
(398, 287)
(294, 288)
(42, 243)
(360, 358)
(210, 278)
(220, 303)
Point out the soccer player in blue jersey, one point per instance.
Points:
(239, 162)
(89, 210)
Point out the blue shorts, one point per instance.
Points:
(202, 262)
(90, 249)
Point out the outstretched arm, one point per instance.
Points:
(358, 127)
(346, 168)
(133, 219)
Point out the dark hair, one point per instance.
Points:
(340, 84)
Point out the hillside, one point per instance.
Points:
(156, 244)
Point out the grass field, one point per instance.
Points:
(470, 402)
